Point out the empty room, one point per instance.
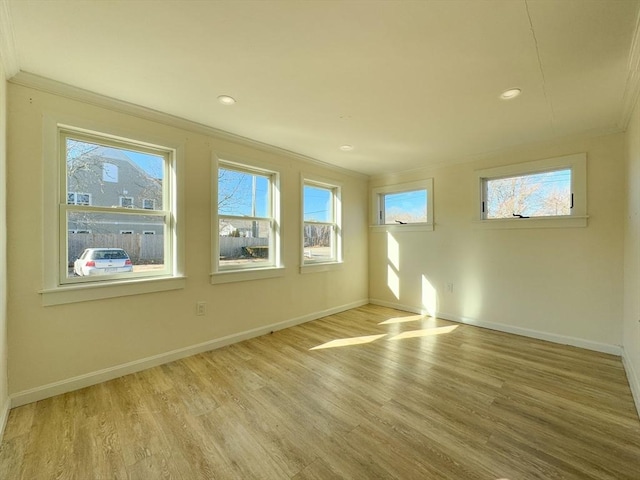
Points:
(323, 239)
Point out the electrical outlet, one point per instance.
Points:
(450, 287)
(201, 308)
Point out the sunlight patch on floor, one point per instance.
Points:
(346, 342)
(427, 332)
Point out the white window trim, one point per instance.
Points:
(377, 206)
(336, 188)
(230, 274)
(578, 218)
(56, 293)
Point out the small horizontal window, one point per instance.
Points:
(405, 206)
(545, 194)
(539, 191)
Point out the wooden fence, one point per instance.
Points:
(233, 247)
(142, 249)
(149, 249)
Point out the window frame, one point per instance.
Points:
(235, 273)
(336, 225)
(54, 290)
(377, 206)
(577, 163)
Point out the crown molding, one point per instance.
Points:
(8, 53)
(54, 87)
(632, 87)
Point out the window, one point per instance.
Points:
(321, 223)
(109, 173)
(246, 219)
(407, 206)
(111, 217)
(126, 202)
(148, 204)
(544, 194)
(74, 198)
(539, 193)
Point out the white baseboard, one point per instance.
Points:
(633, 379)
(4, 416)
(501, 327)
(93, 378)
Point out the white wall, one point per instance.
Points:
(631, 326)
(4, 392)
(563, 284)
(60, 344)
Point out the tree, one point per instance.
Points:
(507, 197)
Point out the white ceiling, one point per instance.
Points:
(407, 83)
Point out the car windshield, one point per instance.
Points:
(109, 255)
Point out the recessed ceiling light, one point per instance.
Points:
(346, 148)
(511, 93)
(226, 100)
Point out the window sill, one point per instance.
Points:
(547, 222)
(320, 267)
(109, 289)
(418, 227)
(231, 276)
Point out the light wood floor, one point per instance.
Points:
(423, 399)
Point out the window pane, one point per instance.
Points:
(106, 174)
(243, 194)
(244, 242)
(405, 207)
(537, 195)
(146, 252)
(319, 242)
(318, 204)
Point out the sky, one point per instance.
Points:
(240, 186)
(151, 164)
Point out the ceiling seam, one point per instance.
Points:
(544, 80)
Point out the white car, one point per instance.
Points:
(102, 261)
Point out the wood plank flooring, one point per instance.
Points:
(392, 396)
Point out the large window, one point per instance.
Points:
(110, 173)
(321, 223)
(407, 206)
(539, 193)
(247, 236)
